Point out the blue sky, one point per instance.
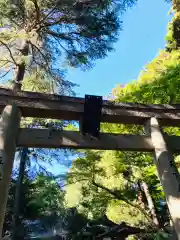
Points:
(145, 27)
(144, 30)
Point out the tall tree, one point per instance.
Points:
(37, 35)
(119, 172)
(173, 35)
(108, 184)
(18, 193)
(41, 200)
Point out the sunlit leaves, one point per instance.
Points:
(46, 195)
(119, 211)
(121, 172)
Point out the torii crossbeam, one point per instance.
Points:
(15, 105)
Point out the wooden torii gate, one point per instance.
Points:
(28, 104)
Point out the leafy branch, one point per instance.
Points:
(9, 50)
(121, 197)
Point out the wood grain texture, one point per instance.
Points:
(9, 126)
(43, 138)
(167, 171)
(71, 108)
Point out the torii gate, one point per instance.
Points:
(15, 105)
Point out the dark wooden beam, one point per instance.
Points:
(71, 108)
(43, 138)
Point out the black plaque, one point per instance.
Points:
(90, 123)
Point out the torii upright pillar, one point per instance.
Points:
(9, 125)
(167, 171)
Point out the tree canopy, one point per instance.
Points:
(36, 36)
(121, 186)
(125, 185)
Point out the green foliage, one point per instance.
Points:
(158, 83)
(119, 211)
(46, 197)
(42, 35)
(116, 171)
(99, 182)
(113, 178)
(41, 199)
(172, 37)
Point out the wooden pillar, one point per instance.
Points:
(167, 171)
(9, 124)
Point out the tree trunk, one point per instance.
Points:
(17, 203)
(20, 72)
(150, 203)
(167, 171)
(140, 196)
(21, 68)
